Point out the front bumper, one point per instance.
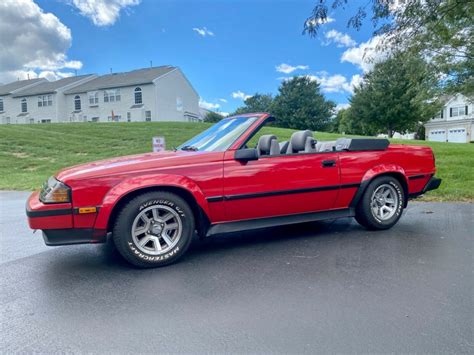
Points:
(58, 224)
(56, 237)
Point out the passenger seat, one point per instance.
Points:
(301, 142)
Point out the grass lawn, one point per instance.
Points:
(31, 153)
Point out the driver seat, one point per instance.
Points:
(268, 145)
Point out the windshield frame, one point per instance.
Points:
(257, 121)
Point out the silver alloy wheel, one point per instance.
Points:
(384, 202)
(157, 229)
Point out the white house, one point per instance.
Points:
(44, 102)
(150, 94)
(454, 123)
(7, 102)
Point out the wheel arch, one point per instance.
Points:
(182, 186)
(397, 173)
(200, 217)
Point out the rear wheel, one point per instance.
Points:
(382, 204)
(154, 229)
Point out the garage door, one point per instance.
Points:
(437, 135)
(457, 135)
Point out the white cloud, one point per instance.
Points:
(103, 12)
(336, 83)
(287, 69)
(366, 54)
(329, 19)
(340, 107)
(356, 80)
(224, 114)
(341, 39)
(240, 95)
(32, 42)
(208, 105)
(203, 31)
(223, 100)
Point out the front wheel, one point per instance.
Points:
(154, 229)
(382, 204)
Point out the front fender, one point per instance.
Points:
(127, 186)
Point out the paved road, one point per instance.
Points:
(319, 287)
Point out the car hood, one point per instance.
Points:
(140, 163)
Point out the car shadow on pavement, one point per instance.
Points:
(105, 256)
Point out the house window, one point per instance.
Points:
(77, 103)
(46, 121)
(24, 106)
(112, 95)
(129, 116)
(138, 96)
(458, 111)
(1, 105)
(45, 100)
(438, 115)
(93, 98)
(147, 116)
(179, 104)
(95, 119)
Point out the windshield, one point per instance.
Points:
(220, 136)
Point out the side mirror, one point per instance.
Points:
(245, 155)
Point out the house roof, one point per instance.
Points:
(116, 80)
(48, 87)
(15, 85)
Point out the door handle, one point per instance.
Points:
(328, 163)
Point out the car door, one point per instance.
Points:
(280, 185)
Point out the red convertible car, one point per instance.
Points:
(151, 204)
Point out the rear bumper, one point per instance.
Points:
(432, 184)
(56, 237)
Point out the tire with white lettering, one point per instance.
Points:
(381, 206)
(154, 229)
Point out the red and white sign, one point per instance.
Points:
(158, 144)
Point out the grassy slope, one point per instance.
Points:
(31, 153)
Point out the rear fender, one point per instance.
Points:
(122, 189)
(382, 169)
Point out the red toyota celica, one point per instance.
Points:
(151, 204)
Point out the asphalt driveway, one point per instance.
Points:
(318, 287)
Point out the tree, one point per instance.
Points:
(301, 105)
(212, 116)
(394, 96)
(256, 103)
(441, 30)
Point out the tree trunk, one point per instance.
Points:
(389, 133)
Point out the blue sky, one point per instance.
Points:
(228, 49)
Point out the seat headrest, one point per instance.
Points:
(298, 140)
(264, 144)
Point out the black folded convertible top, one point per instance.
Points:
(358, 144)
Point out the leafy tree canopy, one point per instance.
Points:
(256, 103)
(213, 117)
(300, 105)
(442, 31)
(395, 96)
